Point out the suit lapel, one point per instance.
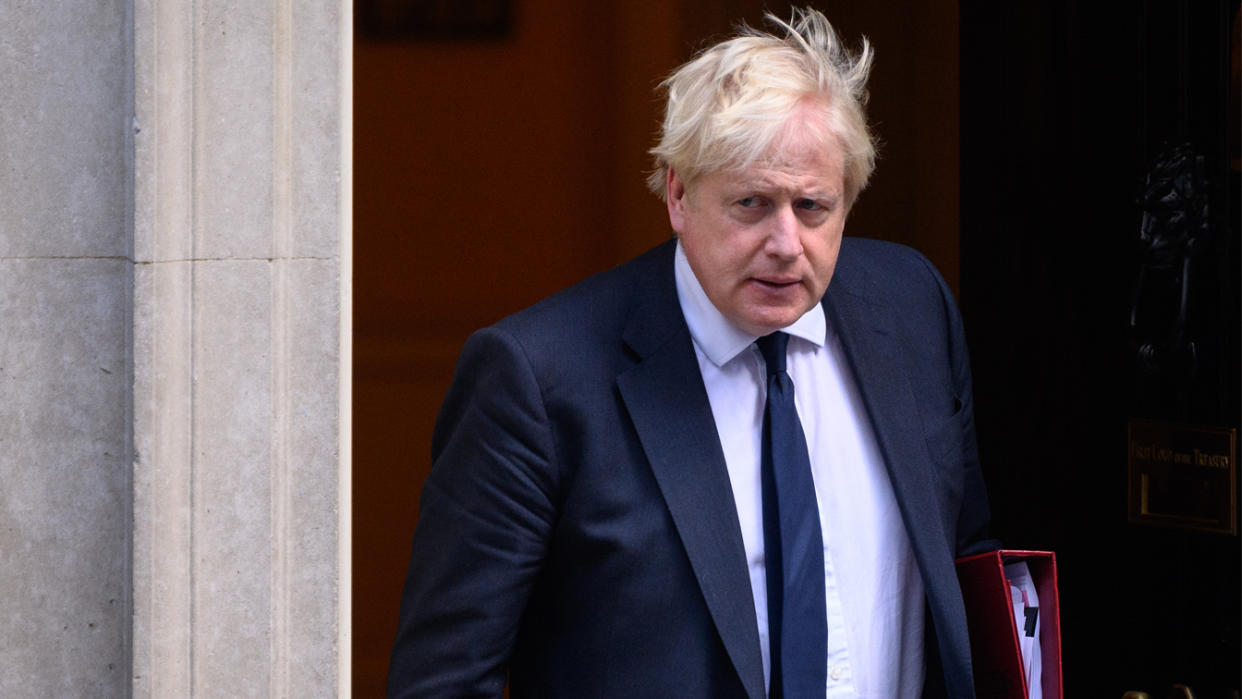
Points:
(668, 404)
(869, 335)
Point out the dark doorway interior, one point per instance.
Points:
(1065, 106)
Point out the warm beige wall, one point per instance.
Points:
(913, 198)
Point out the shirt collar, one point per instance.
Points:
(714, 334)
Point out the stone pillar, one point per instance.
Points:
(64, 349)
(240, 346)
(174, 363)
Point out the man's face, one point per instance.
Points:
(763, 241)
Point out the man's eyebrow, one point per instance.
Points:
(822, 194)
(827, 196)
(764, 185)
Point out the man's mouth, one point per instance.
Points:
(776, 283)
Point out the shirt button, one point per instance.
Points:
(836, 673)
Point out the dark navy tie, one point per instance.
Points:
(792, 542)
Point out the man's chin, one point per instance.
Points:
(765, 323)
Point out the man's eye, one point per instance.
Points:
(748, 202)
(808, 205)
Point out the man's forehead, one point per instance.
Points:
(803, 144)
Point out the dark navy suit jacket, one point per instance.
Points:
(577, 533)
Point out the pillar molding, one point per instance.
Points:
(241, 258)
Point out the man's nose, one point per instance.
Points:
(784, 235)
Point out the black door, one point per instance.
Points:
(1099, 284)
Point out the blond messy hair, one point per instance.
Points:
(729, 104)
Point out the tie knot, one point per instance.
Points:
(772, 347)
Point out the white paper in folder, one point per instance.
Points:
(1026, 619)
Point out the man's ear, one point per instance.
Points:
(676, 196)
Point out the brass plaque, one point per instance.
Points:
(1183, 476)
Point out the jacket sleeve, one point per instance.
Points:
(486, 515)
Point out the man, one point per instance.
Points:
(739, 465)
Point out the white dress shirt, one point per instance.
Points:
(874, 592)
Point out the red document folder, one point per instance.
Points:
(994, 648)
